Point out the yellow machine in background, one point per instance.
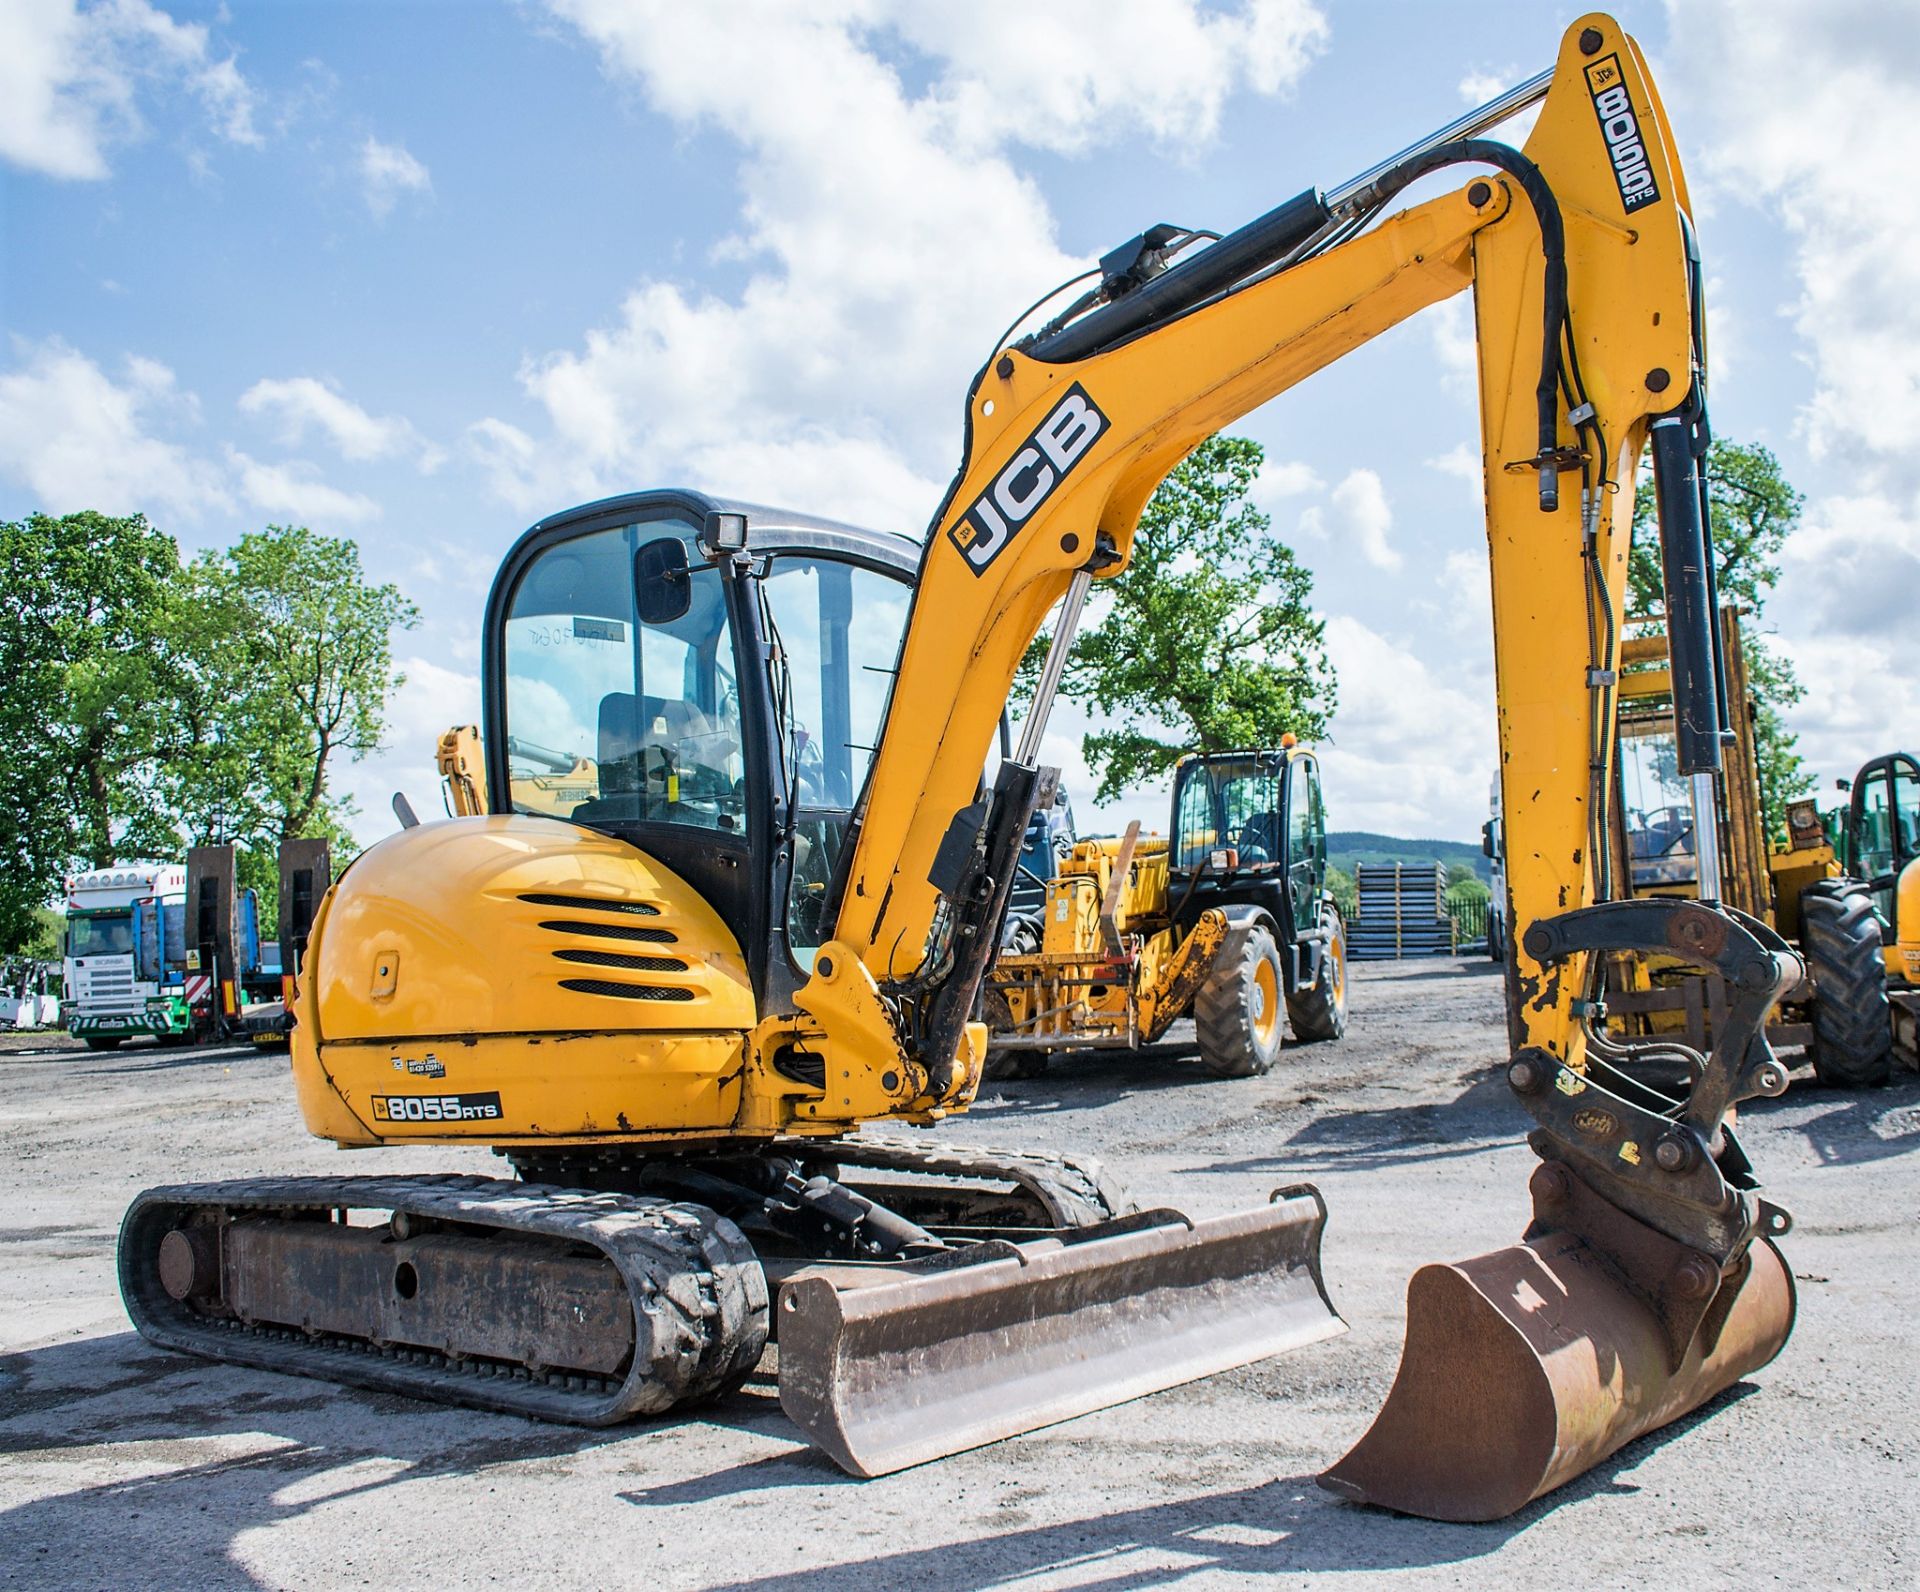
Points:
(1229, 921)
(1840, 1011)
(671, 1009)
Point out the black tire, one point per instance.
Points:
(1496, 944)
(1320, 1011)
(109, 1042)
(1002, 1065)
(1852, 1021)
(1237, 1014)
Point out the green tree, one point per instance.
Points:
(1208, 641)
(1345, 892)
(1753, 508)
(86, 608)
(293, 670)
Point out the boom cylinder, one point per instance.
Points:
(1684, 555)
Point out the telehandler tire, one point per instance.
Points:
(1002, 1063)
(1320, 1010)
(1238, 1013)
(1852, 1021)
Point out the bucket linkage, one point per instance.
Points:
(1648, 1281)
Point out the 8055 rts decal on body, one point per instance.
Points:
(1040, 464)
(437, 1108)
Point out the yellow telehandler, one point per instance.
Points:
(672, 1009)
(1229, 921)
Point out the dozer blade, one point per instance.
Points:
(919, 1365)
(1528, 1366)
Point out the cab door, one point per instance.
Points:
(1306, 844)
(1885, 821)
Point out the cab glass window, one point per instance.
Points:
(838, 629)
(1656, 805)
(611, 718)
(1231, 806)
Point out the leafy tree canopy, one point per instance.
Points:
(150, 705)
(1207, 641)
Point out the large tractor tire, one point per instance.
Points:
(1003, 1064)
(1320, 1011)
(1852, 1021)
(1237, 1014)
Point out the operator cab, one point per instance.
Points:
(704, 680)
(1251, 828)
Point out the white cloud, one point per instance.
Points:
(301, 403)
(1463, 462)
(1806, 109)
(433, 700)
(1410, 752)
(874, 199)
(1363, 514)
(388, 171)
(1455, 343)
(80, 440)
(1279, 479)
(71, 79)
(295, 491)
(1064, 75)
(1480, 87)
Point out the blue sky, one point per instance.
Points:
(423, 273)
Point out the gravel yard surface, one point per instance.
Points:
(121, 1466)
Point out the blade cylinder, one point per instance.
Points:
(1528, 1366)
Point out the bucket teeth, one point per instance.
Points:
(1526, 1367)
(917, 1366)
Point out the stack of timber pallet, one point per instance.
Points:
(1403, 912)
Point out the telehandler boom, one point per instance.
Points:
(672, 1008)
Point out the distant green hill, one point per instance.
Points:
(1347, 847)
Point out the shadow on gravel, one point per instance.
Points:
(309, 1443)
(1286, 1527)
(1849, 1127)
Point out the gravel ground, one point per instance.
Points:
(126, 1467)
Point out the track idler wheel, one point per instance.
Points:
(1528, 1366)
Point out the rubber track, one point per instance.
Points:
(1075, 1190)
(699, 1295)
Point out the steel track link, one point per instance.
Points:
(697, 1293)
(1076, 1191)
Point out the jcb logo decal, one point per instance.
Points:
(1041, 463)
(1622, 133)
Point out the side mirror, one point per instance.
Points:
(1486, 839)
(662, 590)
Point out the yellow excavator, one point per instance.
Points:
(672, 1008)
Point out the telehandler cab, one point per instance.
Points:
(671, 1009)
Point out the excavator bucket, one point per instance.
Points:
(914, 1366)
(1528, 1366)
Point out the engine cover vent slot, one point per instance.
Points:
(612, 931)
(628, 992)
(638, 964)
(590, 904)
